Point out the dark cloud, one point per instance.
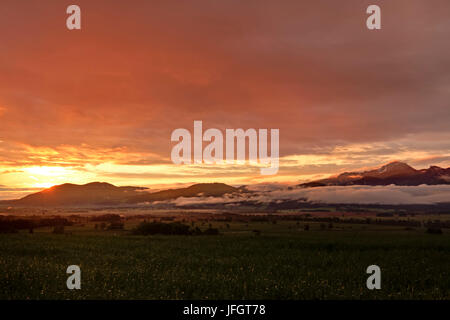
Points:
(310, 68)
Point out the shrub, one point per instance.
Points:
(6, 228)
(58, 230)
(106, 217)
(116, 226)
(385, 214)
(211, 232)
(434, 230)
(173, 228)
(197, 231)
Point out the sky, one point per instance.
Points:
(100, 103)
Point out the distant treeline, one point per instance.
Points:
(8, 225)
(303, 204)
(109, 217)
(311, 218)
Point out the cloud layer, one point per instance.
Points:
(389, 195)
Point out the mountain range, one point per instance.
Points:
(105, 194)
(397, 173)
(102, 193)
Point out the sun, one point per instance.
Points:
(43, 185)
(47, 176)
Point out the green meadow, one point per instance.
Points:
(279, 261)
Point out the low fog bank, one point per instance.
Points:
(385, 195)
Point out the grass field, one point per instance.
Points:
(283, 262)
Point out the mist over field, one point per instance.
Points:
(393, 195)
